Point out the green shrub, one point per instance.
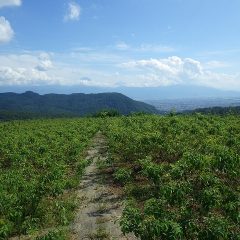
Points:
(123, 175)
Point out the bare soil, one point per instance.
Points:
(100, 205)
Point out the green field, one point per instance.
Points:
(40, 161)
(180, 174)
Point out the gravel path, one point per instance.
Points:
(100, 208)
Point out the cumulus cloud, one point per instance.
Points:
(170, 67)
(175, 70)
(45, 62)
(9, 3)
(99, 69)
(25, 69)
(22, 76)
(6, 31)
(73, 12)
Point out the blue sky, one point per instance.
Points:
(120, 43)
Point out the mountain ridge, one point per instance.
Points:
(136, 93)
(75, 104)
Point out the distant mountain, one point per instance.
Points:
(177, 92)
(137, 93)
(76, 104)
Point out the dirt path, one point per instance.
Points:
(100, 208)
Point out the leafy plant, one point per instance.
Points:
(187, 185)
(123, 175)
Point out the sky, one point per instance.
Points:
(120, 43)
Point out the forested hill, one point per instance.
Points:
(76, 104)
(217, 110)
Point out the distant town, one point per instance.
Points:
(184, 104)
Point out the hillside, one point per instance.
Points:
(76, 104)
(217, 110)
(153, 177)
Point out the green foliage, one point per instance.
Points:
(184, 175)
(53, 235)
(181, 174)
(107, 113)
(39, 161)
(123, 175)
(218, 110)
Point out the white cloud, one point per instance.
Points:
(175, 70)
(73, 12)
(6, 31)
(96, 68)
(36, 68)
(25, 69)
(21, 76)
(45, 62)
(9, 3)
(171, 66)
